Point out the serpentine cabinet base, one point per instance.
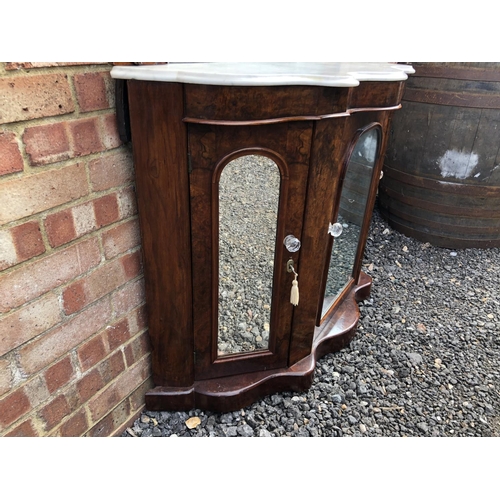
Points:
(238, 391)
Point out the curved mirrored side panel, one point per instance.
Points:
(353, 199)
(249, 191)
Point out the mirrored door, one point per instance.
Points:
(346, 231)
(247, 187)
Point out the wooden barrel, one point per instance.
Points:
(441, 179)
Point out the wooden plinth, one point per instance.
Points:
(235, 392)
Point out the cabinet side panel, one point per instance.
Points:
(160, 155)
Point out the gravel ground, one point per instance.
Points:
(425, 360)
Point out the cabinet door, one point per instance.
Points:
(352, 214)
(247, 188)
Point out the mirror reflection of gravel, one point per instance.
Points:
(248, 207)
(353, 200)
(341, 261)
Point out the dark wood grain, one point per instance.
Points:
(328, 152)
(236, 103)
(375, 95)
(160, 158)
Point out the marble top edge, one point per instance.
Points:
(266, 74)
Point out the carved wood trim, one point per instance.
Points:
(269, 121)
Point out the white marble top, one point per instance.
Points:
(259, 74)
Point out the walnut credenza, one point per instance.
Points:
(252, 179)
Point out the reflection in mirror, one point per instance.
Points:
(249, 189)
(353, 199)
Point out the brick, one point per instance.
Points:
(136, 349)
(6, 378)
(111, 171)
(13, 407)
(59, 341)
(28, 322)
(8, 254)
(69, 224)
(129, 353)
(32, 194)
(137, 320)
(60, 141)
(132, 264)
(112, 367)
(59, 374)
(90, 353)
(10, 156)
(119, 389)
(84, 218)
(75, 426)
(111, 421)
(89, 385)
(28, 240)
(20, 243)
(91, 91)
(35, 96)
(137, 398)
(72, 397)
(54, 412)
(116, 364)
(35, 279)
(88, 252)
(110, 135)
(10, 66)
(127, 203)
(26, 429)
(121, 238)
(47, 144)
(60, 228)
(74, 298)
(106, 210)
(99, 283)
(118, 334)
(128, 297)
(86, 136)
(36, 390)
(141, 318)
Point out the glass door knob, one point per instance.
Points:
(335, 229)
(292, 243)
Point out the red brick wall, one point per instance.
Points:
(74, 352)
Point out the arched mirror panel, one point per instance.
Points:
(249, 193)
(346, 231)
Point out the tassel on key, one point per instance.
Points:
(294, 294)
